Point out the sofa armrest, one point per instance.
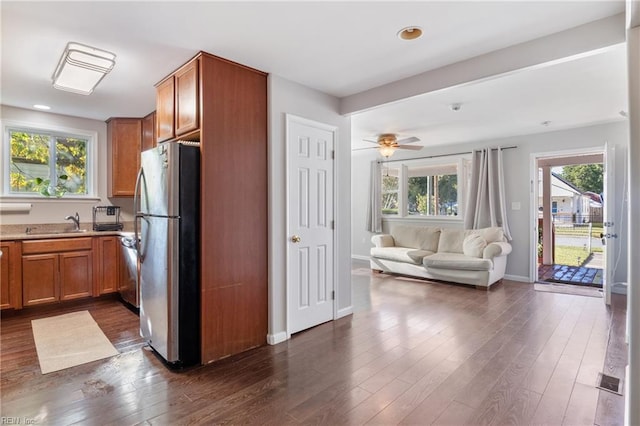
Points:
(496, 249)
(383, 240)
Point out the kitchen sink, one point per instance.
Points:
(30, 231)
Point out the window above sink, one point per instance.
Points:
(46, 162)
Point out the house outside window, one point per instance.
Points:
(46, 162)
(432, 188)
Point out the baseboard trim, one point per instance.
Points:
(274, 339)
(359, 257)
(518, 278)
(344, 312)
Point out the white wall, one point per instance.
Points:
(517, 182)
(46, 210)
(286, 97)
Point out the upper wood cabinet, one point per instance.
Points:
(10, 275)
(178, 103)
(149, 139)
(186, 81)
(165, 111)
(124, 141)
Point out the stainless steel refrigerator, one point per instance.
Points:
(167, 226)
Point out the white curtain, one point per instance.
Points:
(374, 209)
(486, 203)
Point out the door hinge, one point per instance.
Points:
(332, 225)
(333, 295)
(333, 155)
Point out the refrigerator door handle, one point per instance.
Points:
(136, 209)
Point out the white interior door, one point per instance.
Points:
(608, 222)
(310, 246)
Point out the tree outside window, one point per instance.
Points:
(390, 191)
(47, 163)
(432, 191)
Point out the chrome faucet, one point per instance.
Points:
(75, 219)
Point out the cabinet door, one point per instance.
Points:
(124, 136)
(76, 275)
(149, 139)
(165, 110)
(106, 259)
(187, 99)
(40, 279)
(10, 275)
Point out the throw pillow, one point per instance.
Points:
(473, 245)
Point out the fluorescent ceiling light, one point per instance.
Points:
(81, 68)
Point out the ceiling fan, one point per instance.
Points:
(389, 142)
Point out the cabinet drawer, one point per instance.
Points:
(56, 245)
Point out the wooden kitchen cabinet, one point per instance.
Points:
(124, 142)
(165, 111)
(40, 283)
(178, 104)
(233, 149)
(149, 139)
(186, 81)
(106, 264)
(56, 269)
(76, 275)
(10, 275)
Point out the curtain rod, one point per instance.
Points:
(443, 155)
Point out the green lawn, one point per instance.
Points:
(570, 255)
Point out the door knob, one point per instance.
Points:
(296, 239)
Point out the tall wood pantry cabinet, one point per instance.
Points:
(229, 101)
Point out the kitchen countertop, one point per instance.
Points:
(56, 230)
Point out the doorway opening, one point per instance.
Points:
(570, 216)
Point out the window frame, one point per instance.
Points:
(91, 162)
(463, 167)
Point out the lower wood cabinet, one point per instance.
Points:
(10, 275)
(106, 264)
(36, 272)
(40, 283)
(56, 270)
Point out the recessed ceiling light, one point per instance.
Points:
(410, 33)
(39, 106)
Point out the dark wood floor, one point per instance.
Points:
(414, 352)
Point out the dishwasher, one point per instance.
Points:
(129, 289)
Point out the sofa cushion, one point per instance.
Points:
(418, 237)
(457, 261)
(473, 245)
(491, 235)
(400, 254)
(451, 240)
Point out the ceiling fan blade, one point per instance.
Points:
(411, 139)
(362, 149)
(411, 147)
(370, 140)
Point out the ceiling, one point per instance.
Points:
(341, 48)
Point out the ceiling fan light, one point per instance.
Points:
(81, 68)
(387, 150)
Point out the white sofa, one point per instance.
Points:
(477, 257)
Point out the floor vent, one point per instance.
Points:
(609, 383)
